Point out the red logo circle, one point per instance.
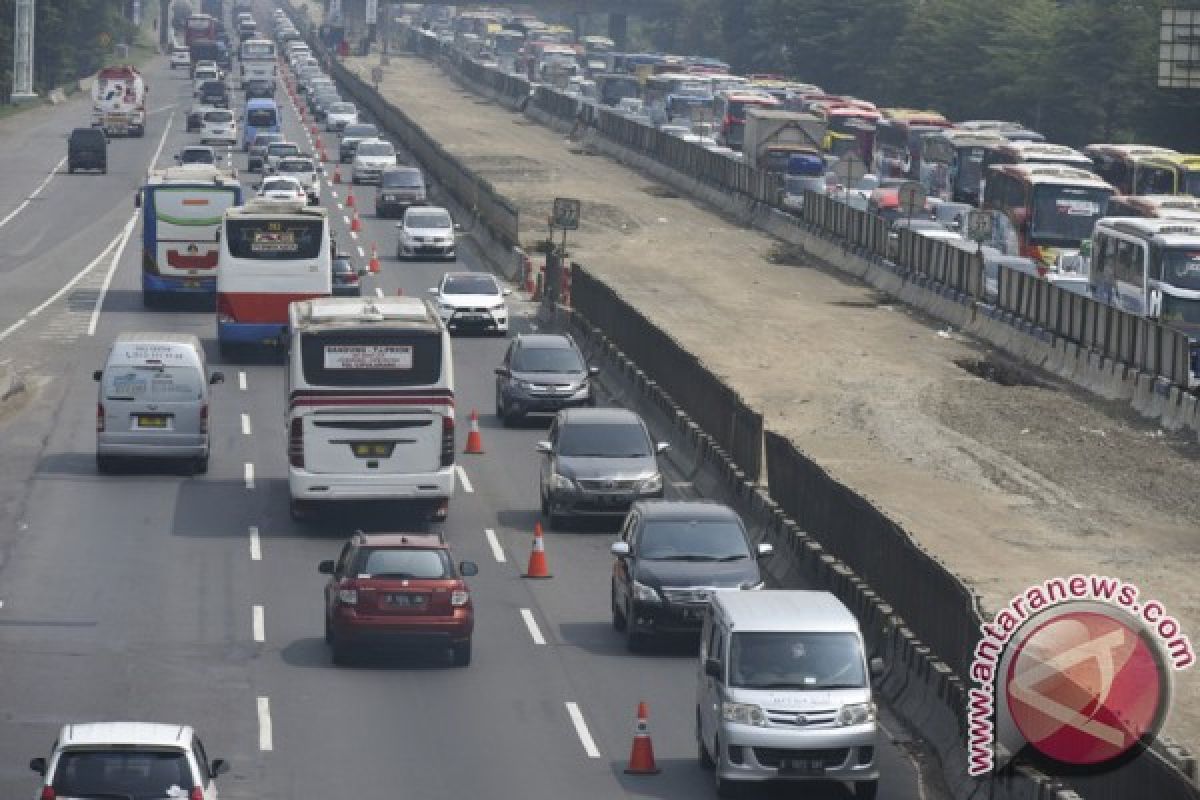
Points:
(1085, 688)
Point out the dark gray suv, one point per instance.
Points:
(542, 372)
(597, 462)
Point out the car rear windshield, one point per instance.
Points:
(375, 149)
(362, 131)
(371, 358)
(405, 562)
(260, 117)
(470, 284)
(603, 440)
(296, 165)
(693, 540)
(145, 382)
(403, 179)
(197, 157)
(341, 108)
(788, 660)
(219, 116)
(139, 774)
(547, 359)
(278, 185)
(282, 149)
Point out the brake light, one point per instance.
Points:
(296, 443)
(204, 418)
(448, 440)
(48, 793)
(99, 418)
(196, 793)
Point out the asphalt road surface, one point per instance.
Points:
(149, 595)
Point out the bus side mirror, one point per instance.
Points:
(137, 199)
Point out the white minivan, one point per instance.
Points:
(784, 691)
(370, 404)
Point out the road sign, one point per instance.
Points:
(911, 198)
(566, 214)
(980, 226)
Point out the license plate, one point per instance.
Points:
(405, 600)
(152, 420)
(191, 284)
(804, 766)
(471, 316)
(373, 449)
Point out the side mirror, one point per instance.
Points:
(458, 227)
(876, 666)
(765, 549)
(503, 372)
(468, 569)
(216, 377)
(620, 549)
(38, 765)
(98, 374)
(662, 447)
(219, 766)
(712, 668)
(137, 199)
(326, 567)
(545, 447)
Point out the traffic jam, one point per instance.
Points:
(271, 234)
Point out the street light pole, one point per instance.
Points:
(23, 53)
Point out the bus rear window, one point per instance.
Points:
(371, 358)
(274, 240)
(261, 117)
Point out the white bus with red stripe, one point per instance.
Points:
(273, 253)
(370, 404)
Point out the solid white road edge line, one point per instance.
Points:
(242, 379)
(112, 269)
(462, 476)
(531, 624)
(24, 203)
(246, 424)
(259, 624)
(265, 739)
(494, 543)
(581, 729)
(255, 544)
(249, 472)
(921, 794)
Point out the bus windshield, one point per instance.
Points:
(1180, 309)
(274, 239)
(1182, 268)
(1190, 183)
(970, 167)
(1065, 215)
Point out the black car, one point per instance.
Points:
(542, 373)
(258, 87)
(399, 188)
(214, 93)
(87, 148)
(670, 558)
(346, 281)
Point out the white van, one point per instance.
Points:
(153, 400)
(784, 691)
(370, 403)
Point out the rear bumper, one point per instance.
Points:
(403, 632)
(179, 285)
(305, 485)
(268, 333)
(847, 754)
(179, 446)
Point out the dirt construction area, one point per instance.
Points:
(1008, 476)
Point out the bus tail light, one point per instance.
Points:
(225, 310)
(296, 443)
(48, 793)
(448, 440)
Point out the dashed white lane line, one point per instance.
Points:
(345, 217)
(32, 195)
(354, 235)
(494, 543)
(265, 738)
(112, 269)
(242, 379)
(255, 544)
(361, 253)
(246, 424)
(334, 194)
(259, 624)
(378, 291)
(581, 730)
(462, 477)
(249, 473)
(531, 623)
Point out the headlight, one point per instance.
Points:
(652, 484)
(744, 714)
(526, 385)
(563, 483)
(856, 714)
(348, 597)
(754, 586)
(645, 594)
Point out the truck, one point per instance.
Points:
(119, 101)
(771, 136)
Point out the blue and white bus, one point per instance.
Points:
(261, 116)
(182, 209)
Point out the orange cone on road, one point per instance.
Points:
(337, 174)
(373, 264)
(474, 438)
(538, 568)
(641, 759)
(355, 223)
(313, 129)
(350, 199)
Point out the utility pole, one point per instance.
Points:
(23, 53)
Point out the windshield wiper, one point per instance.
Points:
(687, 558)
(98, 795)
(392, 575)
(734, 557)
(781, 685)
(840, 686)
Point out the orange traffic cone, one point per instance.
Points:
(337, 174)
(538, 568)
(373, 264)
(313, 129)
(350, 199)
(641, 759)
(355, 224)
(474, 439)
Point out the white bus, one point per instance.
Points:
(1149, 267)
(370, 404)
(257, 60)
(272, 254)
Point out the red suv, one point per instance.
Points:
(398, 589)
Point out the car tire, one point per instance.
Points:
(299, 510)
(866, 790)
(328, 631)
(104, 170)
(706, 761)
(725, 788)
(105, 464)
(339, 652)
(460, 654)
(619, 622)
(200, 465)
(634, 642)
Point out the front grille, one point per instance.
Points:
(607, 486)
(689, 596)
(829, 758)
(806, 719)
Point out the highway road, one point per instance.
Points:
(156, 596)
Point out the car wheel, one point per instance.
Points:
(865, 790)
(200, 465)
(328, 631)
(706, 761)
(299, 510)
(460, 654)
(339, 652)
(545, 504)
(105, 464)
(725, 788)
(618, 617)
(634, 642)
(501, 414)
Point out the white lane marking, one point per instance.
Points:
(581, 729)
(265, 739)
(242, 379)
(162, 141)
(347, 218)
(335, 196)
(361, 253)
(532, 625)
(259, 624)
(112, 269)
(378, 291)
(353, 234)
(53, 171)
(494, 543)
(249, 471)
(245, 424)
(921, 795)
(462, 476)
(255, 544)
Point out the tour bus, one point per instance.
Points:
(1049, 209)
(272, 253)
(1163, 206)
(200, 28)
(729, 113)
(952, 163)
(370, 414)
(1030, 152)
(898, 141)
(182, 209)
(659, 90)
(257, 60)
(1172, 174)
(1115, 163)
(261, 116)
(1150, 267)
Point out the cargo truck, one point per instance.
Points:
(771, 137)
(119, 101)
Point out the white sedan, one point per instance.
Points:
(472, 301)
(282, 187)
(426, 231)
(339, 115)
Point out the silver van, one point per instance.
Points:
(784, 691)
(153, 400)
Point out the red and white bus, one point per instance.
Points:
(200, 28)
(729, 113)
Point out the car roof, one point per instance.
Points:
(556, 341)
(596, 416)
(142, 734)
(785, 610)
(421, 540)
(685, 510)
(447, 276)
